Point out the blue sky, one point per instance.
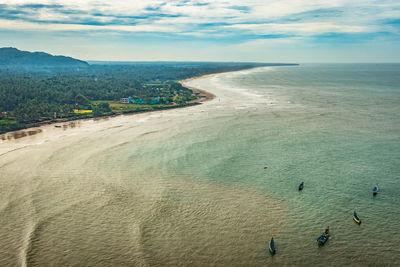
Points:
(218, 30)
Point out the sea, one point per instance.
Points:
(208, 185)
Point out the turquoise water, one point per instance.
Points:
(334, 126)
(188, 187)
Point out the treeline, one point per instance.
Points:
(29, 97)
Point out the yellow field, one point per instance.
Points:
(82, 111)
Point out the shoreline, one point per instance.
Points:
(29, 131)
(204, 95)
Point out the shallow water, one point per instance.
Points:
(188, 186)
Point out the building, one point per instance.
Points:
(125, 100)
(139, 101)
(155, 100)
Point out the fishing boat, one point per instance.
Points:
(375, 190)
(272, 249)
(301, 186)
(356, 218)
(323, 238)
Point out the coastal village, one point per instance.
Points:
(135, 104)
(84, 108)
(166, 99)
(156, 100)
(131, 100)
(155, 95)
(132, 103)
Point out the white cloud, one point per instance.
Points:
(23, 25)
(268, 43)
(298, 28)
(257, 17)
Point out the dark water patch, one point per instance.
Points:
(19, 134)
(71, 124)
(33, 132)
(106, 118)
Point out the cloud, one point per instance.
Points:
(301, 29)
(268, 43)
(218, 18)
(24, 25)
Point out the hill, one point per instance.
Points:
(12, 58)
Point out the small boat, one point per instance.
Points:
(323, 238)
(272, 249)
(356, 218)
(265, 167)
(57, 126)
(301, 186)
(375, 190)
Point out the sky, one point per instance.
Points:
(296, 31)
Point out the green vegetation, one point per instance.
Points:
(31, 97)
(7, 125)
(125, 108)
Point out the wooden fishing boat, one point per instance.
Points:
(375, 190)
(272, 248)
(323, 238)
(356, 218)
(301, 186)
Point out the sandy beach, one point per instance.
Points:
(108, 192)
(203, 96)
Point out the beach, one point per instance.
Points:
(88, 193)
(202, 96)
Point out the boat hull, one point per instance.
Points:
(272, 249)
(322, 241)
(301, 186)
(323, 238)
(357, 220)
(375, 190)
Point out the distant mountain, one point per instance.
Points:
(12, 58)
